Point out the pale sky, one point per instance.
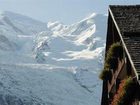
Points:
(66, 11)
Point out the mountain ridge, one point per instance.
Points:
(56, 65)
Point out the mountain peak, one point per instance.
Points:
(52, 55)
(15, 22)
(8, 13)
(89, 17)
(52, 24)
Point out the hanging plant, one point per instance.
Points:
(115, 51)
(111, 62)
(105, 73)
(125, 92)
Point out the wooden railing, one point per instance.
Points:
(115, 75)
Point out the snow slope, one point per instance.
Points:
(72, 45)
(16, 35)
(53, 63)
(6, 44)
(41, 86)
(20, 24)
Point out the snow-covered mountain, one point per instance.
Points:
(14, 25)
(7, 45)
(18, 24)
(50, 63)
(76, 42)
(16, 33)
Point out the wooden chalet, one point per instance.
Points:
(123, 28)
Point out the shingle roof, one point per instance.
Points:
(128, 21)
(127, 17)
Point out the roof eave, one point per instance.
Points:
(129, 57)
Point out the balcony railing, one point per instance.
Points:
(115, 75)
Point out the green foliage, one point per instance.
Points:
(125, 92)
(105, 73)
(115, 51)
(111, 62)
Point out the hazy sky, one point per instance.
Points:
(66, 11)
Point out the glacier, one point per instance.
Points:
(51, 63)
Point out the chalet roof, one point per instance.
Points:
(127, 19)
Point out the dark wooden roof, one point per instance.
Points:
(127, 19)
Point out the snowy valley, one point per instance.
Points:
(51, 63)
